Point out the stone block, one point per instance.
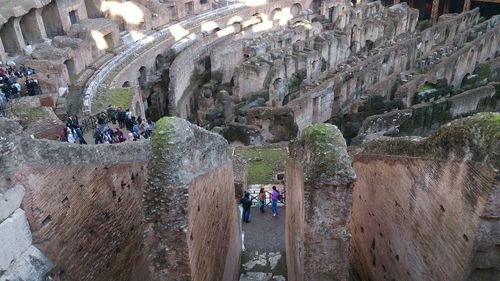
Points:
(32, 265)
(10, 200)
(15, 235)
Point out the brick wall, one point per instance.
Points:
(413, 218)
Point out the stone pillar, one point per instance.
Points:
(18, 34)
(466, 5)
(435, 11)
(3, 55)
(190, 214)
(446, 9)
(40, 24)
(319, 180)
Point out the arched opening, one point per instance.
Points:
(316, 6)
(142, 77)
(52, 20)
(237, 27)
(465, 80)
(278, 83)
(276, 14)
(369, 45)
(126, 84)
(159, 63)
(331, 13)
(296, 9)
(70, 66)
(257, 18)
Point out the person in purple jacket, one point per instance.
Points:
(275, 196)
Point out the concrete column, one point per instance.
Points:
(466, 5)
(40, 24)
(435, 11)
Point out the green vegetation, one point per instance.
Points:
(425, 87)
(30, 114)
(121, 97)
(73, 78)
(295, 81)
(263, 162)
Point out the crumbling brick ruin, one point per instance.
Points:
(387, 113)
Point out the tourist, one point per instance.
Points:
(262, 200)
(2, 105)
(275, 196)
(79, 135)
(120, 116)
(149, 128)
(111, 114)
(246, 203)
(69, 135)
(131, 137)
(119, 135)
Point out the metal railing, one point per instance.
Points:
(267, 201)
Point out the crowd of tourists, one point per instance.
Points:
(128, 128)
(246, 203)
(12, 86)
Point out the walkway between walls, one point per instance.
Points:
(264, 240)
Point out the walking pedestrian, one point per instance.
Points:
(246, 203)
(275, 196)
(262, 200)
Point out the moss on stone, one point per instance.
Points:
(165, 128)
(322, 151)
(476, 138)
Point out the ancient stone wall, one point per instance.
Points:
(420, 206)
(192, 225)
(214, 226)
(76, 199)
(319, 174)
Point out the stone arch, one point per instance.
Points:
(276, 14)
(296, 9)
(316, 6)
(277, 83)
(142, 77)
(70, 66)
(258, 18)
(464, 79)
(369, 44)
(159, 62)
(237, 26)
